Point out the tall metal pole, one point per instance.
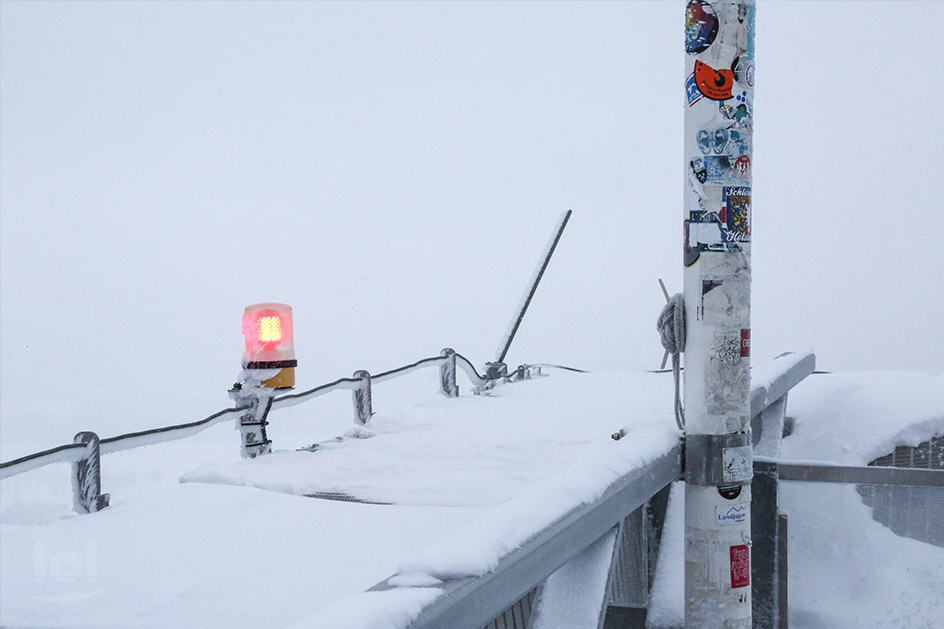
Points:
(719, 86)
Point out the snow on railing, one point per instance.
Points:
(493, 597)
(85, 453)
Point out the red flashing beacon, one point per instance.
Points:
(270, 342)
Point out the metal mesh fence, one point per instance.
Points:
(915, 512)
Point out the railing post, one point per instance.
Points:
(252, 423)
(252, 426)
(362, 400)
(447, 373)
(87, 496)
(766, 534)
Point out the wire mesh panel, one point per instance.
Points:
(629, 576)
(847, 571)
(915, 512)
(516, 616)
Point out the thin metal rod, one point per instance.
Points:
(877, 475)
(665, 356)
(534, 285)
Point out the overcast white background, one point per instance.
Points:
(393, 171)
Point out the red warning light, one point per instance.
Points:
(270, 341)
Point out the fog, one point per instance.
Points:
(393, 171)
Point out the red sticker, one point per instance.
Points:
(745, 343)
(742, 166)
(740, 566)
(715, 84)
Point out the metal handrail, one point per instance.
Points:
(471, 603)
(825, 472)
(74, 452)
(475, 602)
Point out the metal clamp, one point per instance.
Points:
(717, 460)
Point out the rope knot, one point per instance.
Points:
(671, 326)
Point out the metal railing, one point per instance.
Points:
(498, 598)
(86, 450)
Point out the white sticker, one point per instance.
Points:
(737, 464)
(730, 515)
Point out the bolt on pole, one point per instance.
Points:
(719, 89)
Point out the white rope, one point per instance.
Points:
(671, 326)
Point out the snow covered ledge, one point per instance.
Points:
(474, 574)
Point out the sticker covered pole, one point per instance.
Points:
(719, 96)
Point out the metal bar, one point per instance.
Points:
(293, 399)
(167, 433)
(766, 542)
(434, 361)
(793, 368)
(69, 453)
(873, 475)
(782, 560)
(535, 280)
(471, 603)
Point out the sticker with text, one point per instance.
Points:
(740, 566)
(731, 515)
(715, 84)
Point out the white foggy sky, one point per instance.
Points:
(393, 170)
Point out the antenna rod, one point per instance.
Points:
(548, 252)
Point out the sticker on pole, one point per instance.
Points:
(737, 464)
(731, 515)
(740, 566)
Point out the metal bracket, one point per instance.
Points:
(719, 460)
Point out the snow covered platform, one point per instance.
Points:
(846, 570)
(239, 543)
(198, 537)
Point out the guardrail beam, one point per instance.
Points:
(471, 603)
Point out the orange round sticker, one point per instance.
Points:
(715, 84)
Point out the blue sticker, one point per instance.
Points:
(724, 170)
(691, 89)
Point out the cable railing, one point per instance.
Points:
(85, 452)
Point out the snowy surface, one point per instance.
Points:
(471, 478)
(474, 450)
(484, 472)
(845, 569)
(853, 418)
(573, 597)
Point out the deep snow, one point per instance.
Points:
(174, 553)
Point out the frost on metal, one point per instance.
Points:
(87, 494)
(532, 287)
